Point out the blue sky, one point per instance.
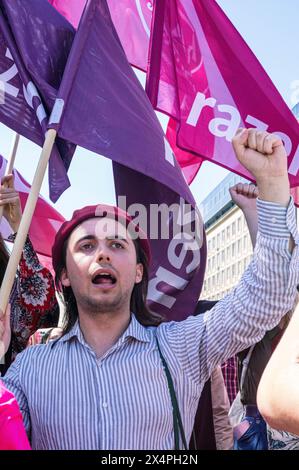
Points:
(271, 29)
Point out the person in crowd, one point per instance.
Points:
(278, 392)
(121, 378)
(33, 301)
(230, 375)
(212, 429)
(252, 433)
(12, 431)
(220, 406)
(44, 335)
(244, 195)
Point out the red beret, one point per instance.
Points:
(89, 212)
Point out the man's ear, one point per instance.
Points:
(64, 278)
(139, 273)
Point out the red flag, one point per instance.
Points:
(45, 222)
(204, 75)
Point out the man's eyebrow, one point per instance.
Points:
(117, 237)
(110, 237)
(86, 237)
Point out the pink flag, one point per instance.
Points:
(45, 222)
(204, 75)
(132, 21)
(70, 9)
(189, 162)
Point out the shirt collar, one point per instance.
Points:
(74, 332)
(135, 330)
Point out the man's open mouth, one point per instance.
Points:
(104, 278)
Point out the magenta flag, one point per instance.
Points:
(45, 222)
(190, 163)
(132, 21)
(70, 9)
(203, 74)
(112, 116)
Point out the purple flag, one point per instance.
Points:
(101, 106)
(177, 272)
(34, 45)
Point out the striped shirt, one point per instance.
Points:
(72, 400)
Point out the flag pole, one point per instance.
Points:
(11, 162)
(19, 243)
(12, 155)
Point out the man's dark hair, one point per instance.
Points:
(138, 297)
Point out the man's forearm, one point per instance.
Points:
(275, 189)
(252, 224)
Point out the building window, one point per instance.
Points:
(222, 257)
(218, 240)
(239, 247)
(239, 268)
(233, 250)
(234, 228)
(239, 224)
(233, 270)
(223, 237)
(228, 233)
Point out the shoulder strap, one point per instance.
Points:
(177, 421)
(245, 363)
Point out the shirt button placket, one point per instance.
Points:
(102, 405)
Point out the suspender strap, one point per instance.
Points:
(245, 364)
(177, 421)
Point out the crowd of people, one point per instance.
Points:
(115, 375)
